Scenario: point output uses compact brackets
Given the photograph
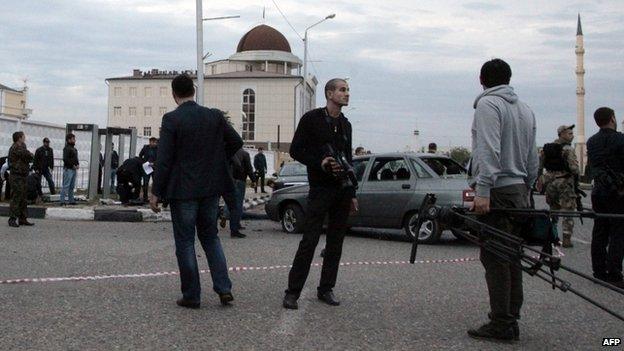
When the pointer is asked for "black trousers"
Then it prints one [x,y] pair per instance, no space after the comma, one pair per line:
[259,179]
[607,247]
[504,277]
[322,201]
[146,179]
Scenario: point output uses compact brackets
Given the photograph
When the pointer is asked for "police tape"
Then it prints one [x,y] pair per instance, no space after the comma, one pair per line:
[231,269]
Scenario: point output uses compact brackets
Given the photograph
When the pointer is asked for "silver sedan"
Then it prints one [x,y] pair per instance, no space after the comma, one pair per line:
[391,189]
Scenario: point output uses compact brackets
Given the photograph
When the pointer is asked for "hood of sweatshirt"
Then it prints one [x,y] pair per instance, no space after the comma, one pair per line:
[503,91]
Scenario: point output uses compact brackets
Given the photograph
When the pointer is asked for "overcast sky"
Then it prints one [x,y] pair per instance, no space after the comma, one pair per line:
[411,64]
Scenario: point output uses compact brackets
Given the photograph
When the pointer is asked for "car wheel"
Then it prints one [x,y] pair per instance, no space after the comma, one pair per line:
[292,219]
[428,233]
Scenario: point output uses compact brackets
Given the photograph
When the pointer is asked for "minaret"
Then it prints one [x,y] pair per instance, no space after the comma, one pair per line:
[580,97]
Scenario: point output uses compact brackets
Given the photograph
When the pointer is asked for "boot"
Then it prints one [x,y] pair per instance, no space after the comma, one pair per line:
[567,241]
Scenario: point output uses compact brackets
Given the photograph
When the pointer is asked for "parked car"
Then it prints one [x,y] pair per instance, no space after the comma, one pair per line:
[291,173]
[391,189]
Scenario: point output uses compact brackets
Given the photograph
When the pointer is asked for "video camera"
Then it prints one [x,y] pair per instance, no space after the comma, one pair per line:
[539,228]
[346,175]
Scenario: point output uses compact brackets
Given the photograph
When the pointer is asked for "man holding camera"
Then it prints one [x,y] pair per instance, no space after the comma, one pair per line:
[321,131]
[504,165]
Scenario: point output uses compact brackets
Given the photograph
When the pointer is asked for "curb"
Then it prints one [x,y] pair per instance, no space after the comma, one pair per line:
[111,215]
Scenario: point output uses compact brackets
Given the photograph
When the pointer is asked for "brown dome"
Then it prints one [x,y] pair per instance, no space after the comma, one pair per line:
[263,37]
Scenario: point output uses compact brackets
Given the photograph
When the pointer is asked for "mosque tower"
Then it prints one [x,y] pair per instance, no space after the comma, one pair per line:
[580,97]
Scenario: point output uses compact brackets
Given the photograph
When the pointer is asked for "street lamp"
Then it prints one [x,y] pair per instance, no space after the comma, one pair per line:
[200,48]
[305,60]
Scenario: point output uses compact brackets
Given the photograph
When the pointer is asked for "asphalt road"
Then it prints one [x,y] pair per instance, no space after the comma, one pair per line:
[393,306]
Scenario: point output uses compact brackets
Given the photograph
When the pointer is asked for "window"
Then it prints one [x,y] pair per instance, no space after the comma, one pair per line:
[249,114]
[133,91]
[389,169]
[444,166]
[147,131]
[162,110]
[420,170]
[359,166]
[163,91]
[117,111]
[293,169]
[148,91]
[117,91]
[132,111]
[147,111]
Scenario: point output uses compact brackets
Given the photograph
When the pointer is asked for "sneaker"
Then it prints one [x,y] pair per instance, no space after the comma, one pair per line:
[493,332]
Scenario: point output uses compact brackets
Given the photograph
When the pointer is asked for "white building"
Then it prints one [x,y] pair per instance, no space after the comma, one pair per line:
[260,87]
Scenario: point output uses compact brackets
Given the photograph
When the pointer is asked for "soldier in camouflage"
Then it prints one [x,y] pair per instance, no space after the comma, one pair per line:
[19,166]
[558,180]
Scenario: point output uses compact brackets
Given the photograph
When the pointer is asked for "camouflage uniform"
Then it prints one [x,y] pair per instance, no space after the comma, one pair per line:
[559,187]
[19,159]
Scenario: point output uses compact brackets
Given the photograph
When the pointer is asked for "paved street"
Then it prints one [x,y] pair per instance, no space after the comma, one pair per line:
[386,304]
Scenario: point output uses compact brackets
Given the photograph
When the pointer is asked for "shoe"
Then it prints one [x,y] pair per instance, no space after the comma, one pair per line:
[238,235]
[329,298]
[492,332]
[515,327]
[290,302]
[63,204]
[13,223]
[242,228]
[264,192]
[222,222]
[73,203]
[567,242]
[25,222]
[226,298]
[187,304]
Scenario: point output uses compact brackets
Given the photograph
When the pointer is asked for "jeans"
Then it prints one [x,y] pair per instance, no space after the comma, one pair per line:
[112,179]
[236,214]
[69,182]
[200,214]
[322,201]
[48,177]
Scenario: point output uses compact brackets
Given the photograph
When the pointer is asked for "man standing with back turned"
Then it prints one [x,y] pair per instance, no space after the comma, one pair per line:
[19,164]
[505,167]
[191,172]
[317,129]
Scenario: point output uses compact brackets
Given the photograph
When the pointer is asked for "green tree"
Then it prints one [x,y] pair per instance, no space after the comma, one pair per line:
[460,154]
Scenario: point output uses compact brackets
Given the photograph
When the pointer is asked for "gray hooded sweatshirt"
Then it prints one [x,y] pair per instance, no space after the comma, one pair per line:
[503,141]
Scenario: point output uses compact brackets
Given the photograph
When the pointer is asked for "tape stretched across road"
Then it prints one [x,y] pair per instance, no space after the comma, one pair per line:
[231,269]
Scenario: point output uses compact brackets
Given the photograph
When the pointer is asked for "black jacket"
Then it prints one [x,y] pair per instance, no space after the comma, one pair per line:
[114,160]
[44,158]
[70,156]
[309,145]
[131,171]
[148,154]
[241,166]
[605,150]
[196,144]
[260,163]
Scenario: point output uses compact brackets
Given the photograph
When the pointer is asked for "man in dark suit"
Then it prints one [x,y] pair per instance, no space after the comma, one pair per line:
[44,163]
[148,154]
[260,164]
[191,172]
[328,195]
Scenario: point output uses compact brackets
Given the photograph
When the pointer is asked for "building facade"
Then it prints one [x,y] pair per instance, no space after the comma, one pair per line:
[259,87]
[13,102]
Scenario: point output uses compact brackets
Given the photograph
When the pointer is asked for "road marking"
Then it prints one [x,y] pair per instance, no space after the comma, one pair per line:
[581,241]
[231,269]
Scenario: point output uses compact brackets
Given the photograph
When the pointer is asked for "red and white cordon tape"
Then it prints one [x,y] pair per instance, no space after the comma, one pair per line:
[231,269]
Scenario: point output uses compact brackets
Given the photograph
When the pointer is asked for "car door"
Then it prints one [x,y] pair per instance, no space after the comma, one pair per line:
[360,167]
[385,192]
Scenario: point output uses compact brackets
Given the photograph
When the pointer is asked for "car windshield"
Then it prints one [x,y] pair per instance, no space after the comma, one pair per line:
[444,166]
[293,169]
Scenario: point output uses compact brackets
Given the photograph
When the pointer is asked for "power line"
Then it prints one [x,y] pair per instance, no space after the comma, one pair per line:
[286,19]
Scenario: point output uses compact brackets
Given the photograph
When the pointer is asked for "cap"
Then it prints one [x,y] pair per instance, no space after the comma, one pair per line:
[564,127]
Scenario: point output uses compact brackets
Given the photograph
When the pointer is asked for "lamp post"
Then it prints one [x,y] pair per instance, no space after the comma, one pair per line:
[199,97]
[305,60]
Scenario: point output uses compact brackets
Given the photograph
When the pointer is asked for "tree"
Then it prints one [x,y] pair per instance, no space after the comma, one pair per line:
[460,154]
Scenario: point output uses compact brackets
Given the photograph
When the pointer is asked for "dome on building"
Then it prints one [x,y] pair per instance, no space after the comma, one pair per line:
[263,38]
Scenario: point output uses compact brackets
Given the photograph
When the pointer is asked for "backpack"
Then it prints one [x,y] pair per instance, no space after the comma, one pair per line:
[553,158]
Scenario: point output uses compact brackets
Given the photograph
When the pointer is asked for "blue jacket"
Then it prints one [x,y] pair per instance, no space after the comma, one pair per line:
[195,146]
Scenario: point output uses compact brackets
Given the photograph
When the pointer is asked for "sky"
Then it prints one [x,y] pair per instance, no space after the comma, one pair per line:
[412,65]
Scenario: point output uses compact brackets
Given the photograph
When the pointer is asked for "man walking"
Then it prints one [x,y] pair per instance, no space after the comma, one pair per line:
[562,170]
[318,130]
[44,163]
[148,154]
[505,167]
[70,166]
[19,165]
[260,165]
[191,173]
[241,169]
[605,153]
